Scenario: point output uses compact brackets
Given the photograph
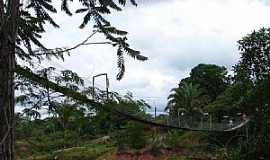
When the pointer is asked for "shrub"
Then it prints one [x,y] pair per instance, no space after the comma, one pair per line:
[132,136]
[156,145]
[174,139]
[136,136]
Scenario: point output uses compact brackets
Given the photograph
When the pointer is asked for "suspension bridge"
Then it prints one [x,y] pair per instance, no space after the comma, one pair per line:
[189,125]
[183,123]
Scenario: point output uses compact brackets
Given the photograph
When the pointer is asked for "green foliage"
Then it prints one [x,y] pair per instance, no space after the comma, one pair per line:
[41,89]
[82,153]
[249,93]
[106,121]
[50,134]
[136,136]
[41,137]
[36,97]
[229,154]
[193,140]
[258,144]
[254,68]
[35,14]
[156,145]
[132,136]
[259,97]
[235,155]
[255,55]
[174,139]
[231,101]
[155,149]
[212,79]
[121,139]
[129,104]
[162,118]
[205,84]
[190,140]
[187,97]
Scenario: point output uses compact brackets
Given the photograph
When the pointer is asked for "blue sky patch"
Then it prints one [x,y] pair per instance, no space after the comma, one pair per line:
[267,2]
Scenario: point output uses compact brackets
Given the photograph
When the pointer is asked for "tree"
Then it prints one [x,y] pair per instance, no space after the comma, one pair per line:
[21,26]
[231,101]
[34,97]
[249,92]
[255,56]
[211,79]
[259,102]
[107,121]
[187,96]
[253,70]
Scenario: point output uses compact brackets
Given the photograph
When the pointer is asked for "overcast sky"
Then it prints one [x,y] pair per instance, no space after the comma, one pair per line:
[176,35]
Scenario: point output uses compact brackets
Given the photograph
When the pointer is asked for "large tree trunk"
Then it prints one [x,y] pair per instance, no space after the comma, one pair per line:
[8,32]
[7,62]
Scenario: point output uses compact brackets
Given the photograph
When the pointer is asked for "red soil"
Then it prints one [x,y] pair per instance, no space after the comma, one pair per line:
[164,153]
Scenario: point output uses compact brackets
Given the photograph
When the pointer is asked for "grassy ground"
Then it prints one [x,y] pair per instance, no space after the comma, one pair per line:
[187,144]
[89,152]
[177,158]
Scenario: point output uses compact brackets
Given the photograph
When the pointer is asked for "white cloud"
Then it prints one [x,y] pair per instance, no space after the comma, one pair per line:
[175,34]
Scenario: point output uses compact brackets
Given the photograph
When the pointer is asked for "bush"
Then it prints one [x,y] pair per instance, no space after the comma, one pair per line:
[156,145]
[174,139]
[136,136]
[132,136]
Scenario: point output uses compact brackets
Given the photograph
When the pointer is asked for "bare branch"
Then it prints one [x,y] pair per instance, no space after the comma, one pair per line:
[80,44]
[84,42]
[90,43]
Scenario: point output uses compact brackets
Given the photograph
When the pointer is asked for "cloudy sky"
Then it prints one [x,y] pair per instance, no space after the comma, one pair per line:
[176,35]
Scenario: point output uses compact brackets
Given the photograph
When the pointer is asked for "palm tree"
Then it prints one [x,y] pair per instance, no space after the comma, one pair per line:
[187,97]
